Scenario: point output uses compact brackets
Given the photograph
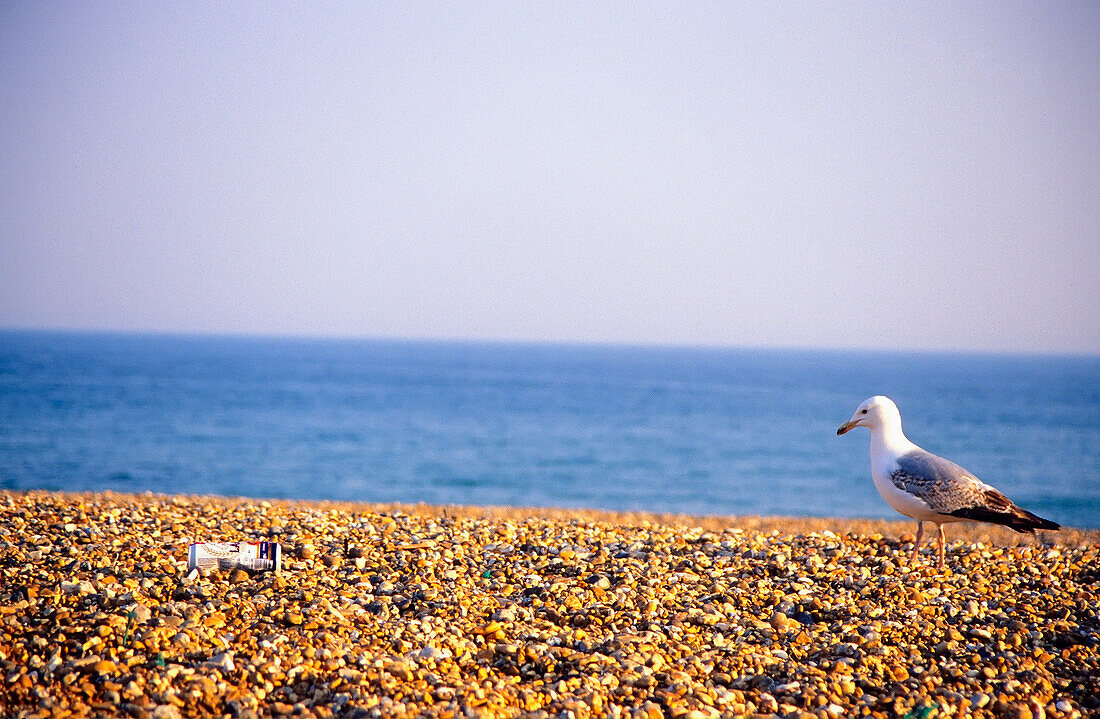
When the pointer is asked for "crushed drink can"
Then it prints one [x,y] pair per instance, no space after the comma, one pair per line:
[257,556]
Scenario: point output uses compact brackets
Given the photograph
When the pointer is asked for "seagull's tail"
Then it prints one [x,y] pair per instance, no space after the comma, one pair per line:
[1012,517]
[1024,521]
[1028,522]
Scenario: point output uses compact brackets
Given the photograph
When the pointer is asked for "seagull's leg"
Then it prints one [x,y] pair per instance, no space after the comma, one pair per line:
[943,541]
[916,544]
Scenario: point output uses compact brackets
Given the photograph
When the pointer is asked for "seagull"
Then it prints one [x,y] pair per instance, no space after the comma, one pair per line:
[929,488]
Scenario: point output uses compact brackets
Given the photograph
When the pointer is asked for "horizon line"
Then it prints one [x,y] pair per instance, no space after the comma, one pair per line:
[544,342]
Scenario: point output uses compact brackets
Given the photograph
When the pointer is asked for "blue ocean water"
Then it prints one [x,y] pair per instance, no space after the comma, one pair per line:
[701,431]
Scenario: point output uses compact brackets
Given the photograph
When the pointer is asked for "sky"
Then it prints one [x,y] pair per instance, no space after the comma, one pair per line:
[811,175]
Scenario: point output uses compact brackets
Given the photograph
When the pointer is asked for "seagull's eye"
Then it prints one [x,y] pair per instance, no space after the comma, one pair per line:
[863,412]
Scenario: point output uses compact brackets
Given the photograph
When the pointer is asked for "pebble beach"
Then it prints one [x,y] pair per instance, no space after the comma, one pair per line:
[404,611]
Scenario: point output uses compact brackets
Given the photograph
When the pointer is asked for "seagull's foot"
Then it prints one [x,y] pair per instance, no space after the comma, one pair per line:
[943,566]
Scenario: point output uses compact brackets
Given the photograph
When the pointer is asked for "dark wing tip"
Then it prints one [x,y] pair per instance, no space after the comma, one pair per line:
[1045,523]
[1035,520]
[1019,520]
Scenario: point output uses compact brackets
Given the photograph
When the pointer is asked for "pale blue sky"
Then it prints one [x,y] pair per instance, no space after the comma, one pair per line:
[885,175]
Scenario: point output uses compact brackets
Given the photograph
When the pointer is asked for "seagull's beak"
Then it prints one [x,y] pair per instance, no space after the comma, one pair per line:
[847,426]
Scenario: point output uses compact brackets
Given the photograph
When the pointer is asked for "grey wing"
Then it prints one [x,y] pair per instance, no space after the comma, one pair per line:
[943,485]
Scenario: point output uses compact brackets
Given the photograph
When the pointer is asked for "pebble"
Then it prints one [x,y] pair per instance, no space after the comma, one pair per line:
[139,613]
[1016,710]
[767,703]
[166,711]
[455,613]
[222,661]
[430,652]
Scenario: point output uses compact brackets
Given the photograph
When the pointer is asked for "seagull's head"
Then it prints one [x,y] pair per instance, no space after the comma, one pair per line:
[875,412]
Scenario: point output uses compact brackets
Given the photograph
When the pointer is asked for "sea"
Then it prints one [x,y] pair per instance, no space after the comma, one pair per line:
[696,430]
